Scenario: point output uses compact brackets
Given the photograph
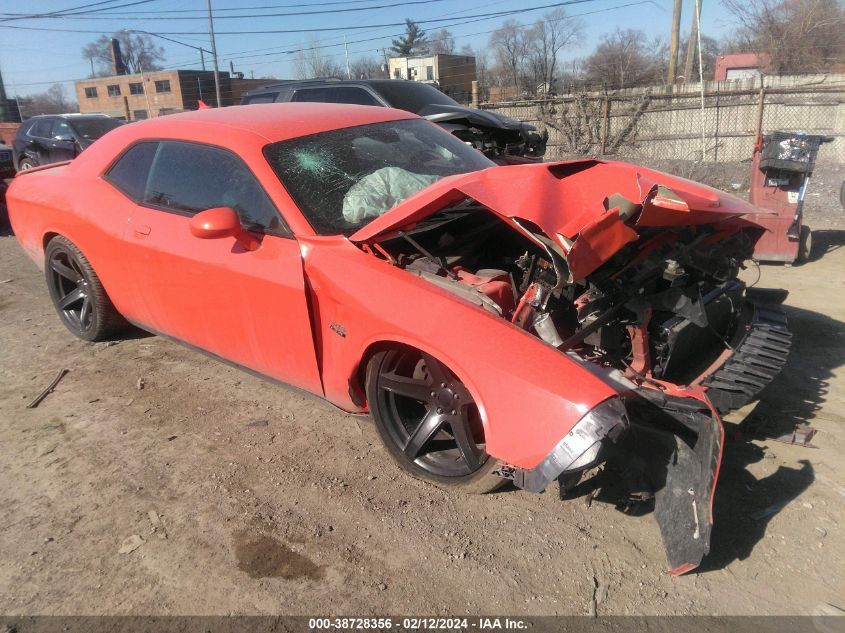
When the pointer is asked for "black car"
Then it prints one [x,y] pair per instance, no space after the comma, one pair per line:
[52,138]
[502,139]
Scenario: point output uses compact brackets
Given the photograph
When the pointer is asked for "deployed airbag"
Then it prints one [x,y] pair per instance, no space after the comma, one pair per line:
[380,191]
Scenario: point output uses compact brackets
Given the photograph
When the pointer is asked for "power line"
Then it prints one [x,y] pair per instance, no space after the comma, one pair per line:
[60,13]
[83,16]
[325,29]
[174,65]
[254,8]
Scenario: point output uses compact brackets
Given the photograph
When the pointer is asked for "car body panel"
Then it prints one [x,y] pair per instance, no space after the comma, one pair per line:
[352,292]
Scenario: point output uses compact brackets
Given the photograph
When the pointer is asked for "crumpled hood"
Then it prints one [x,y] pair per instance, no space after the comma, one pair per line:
[587,207]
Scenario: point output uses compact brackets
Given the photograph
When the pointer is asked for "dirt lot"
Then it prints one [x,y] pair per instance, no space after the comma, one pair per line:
[267,501]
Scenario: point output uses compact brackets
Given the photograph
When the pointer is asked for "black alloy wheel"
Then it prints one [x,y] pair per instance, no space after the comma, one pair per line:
[429,421]
[77,294]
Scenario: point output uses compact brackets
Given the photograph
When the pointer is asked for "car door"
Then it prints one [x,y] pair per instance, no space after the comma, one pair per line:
[245,305]
[62,145]
[38,141]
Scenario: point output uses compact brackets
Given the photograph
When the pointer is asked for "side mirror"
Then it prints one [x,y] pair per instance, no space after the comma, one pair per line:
[213,224]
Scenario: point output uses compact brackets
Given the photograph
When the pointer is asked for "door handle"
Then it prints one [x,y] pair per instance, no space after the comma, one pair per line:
[141,230]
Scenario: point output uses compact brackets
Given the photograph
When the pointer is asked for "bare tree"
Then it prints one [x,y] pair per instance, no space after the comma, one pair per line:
[412,42]
[798,35]
[546,39]
[711,48]
[441,41]
[510,49]
[626,58]
[54,100]
[309,62]
[367,68]
[139,52]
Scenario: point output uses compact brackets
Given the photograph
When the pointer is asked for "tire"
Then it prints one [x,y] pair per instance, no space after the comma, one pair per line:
[805,245]
[27,163]
[429,422]
[77,293]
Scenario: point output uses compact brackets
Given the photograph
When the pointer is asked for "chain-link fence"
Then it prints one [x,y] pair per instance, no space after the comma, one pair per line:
[676,122]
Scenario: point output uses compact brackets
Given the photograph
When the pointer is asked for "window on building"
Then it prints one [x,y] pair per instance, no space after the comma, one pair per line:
[114,90]
[139,115]
[136,89]
[163,85]
[429,73]
[129,173]
[91,93]
[163,111]
[397,73]
[189,178]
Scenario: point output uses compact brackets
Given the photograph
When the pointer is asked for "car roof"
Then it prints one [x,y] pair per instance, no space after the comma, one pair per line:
[272,121]
[71,115]
[329,81]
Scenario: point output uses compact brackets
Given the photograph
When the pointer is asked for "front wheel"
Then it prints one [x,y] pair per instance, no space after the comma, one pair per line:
[77,294]
[26,163]
[429,421]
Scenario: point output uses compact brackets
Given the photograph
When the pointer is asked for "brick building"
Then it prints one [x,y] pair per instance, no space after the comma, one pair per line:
[738,66]
[155,93]
[453,74]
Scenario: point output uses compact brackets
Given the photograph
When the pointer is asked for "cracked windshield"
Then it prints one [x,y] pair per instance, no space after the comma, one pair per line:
[343,179]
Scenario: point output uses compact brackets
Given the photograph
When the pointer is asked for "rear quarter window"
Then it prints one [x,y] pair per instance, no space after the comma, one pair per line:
[130,172]
[268,97]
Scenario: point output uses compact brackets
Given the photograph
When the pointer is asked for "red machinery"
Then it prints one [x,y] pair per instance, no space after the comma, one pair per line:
[780,174]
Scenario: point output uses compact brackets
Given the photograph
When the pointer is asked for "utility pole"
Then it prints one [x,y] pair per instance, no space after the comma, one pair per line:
[692,42]
[346,49]
[674,43]
[214,56]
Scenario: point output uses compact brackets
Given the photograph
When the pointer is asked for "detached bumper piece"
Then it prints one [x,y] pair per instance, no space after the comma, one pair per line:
[761,347]
[677,442]
[583,447]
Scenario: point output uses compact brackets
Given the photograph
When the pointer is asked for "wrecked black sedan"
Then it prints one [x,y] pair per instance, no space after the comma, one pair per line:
[503,140]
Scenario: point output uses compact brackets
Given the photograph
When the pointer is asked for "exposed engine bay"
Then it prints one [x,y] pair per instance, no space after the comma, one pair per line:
[664,307]
[665,314]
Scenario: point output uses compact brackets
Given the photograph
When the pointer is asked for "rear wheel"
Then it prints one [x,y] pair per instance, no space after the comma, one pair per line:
[429,421]
[26,163]
[77,294]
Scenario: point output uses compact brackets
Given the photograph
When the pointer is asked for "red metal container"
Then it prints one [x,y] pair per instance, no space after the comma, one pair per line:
[780,175]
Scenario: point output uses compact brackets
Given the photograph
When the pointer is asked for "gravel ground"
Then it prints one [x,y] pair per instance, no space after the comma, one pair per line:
[209,491]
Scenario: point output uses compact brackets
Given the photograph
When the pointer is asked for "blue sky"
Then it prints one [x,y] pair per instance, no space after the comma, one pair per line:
[33,60]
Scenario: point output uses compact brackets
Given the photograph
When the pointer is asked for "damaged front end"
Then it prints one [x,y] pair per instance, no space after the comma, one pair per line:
[638,285]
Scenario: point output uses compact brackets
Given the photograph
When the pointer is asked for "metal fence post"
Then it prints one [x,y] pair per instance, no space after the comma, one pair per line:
[761,102]
[605,127]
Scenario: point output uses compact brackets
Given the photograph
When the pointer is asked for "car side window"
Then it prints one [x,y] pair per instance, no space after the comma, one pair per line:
[41,128]
[190,177]
[336,94]
[130,172]
[61,130]
[267,97]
